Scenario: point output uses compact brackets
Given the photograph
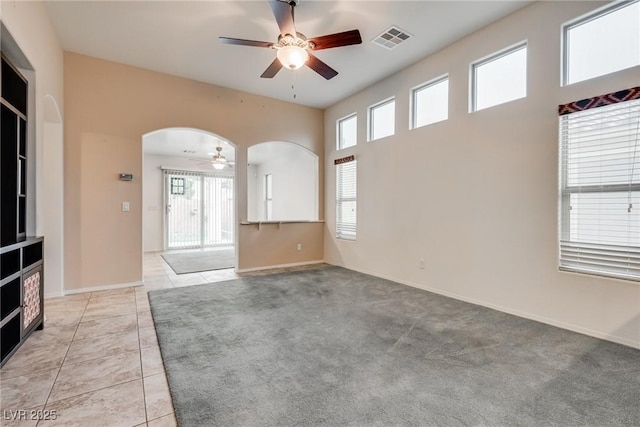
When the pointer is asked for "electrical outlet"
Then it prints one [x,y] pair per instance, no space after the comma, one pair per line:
[421,263]
[299,246]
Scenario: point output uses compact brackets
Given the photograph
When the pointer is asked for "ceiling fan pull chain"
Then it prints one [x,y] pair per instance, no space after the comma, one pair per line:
[293,85]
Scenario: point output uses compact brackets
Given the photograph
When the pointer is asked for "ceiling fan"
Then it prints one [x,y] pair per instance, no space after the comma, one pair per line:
[293,49]
[218,161]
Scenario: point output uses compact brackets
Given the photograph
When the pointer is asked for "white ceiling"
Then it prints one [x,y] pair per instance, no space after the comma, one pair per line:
[187,143]
[180,38]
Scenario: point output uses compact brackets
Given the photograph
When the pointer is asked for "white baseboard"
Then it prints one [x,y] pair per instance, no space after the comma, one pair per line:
[272,267]
[53,295]
[102,288]
[523,314]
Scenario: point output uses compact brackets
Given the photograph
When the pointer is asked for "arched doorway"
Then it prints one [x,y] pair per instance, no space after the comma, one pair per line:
[190,203]
[282,182]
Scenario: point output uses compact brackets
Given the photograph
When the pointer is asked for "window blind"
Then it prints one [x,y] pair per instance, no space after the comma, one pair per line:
[600,186]
[199,209]
[346,198]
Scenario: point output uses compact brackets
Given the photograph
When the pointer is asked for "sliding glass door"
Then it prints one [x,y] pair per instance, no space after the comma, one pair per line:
[199,210]
[218,208]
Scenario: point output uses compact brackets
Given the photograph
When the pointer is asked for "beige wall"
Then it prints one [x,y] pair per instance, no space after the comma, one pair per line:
[109,107]
[476,196]
[276,244]
[30,26]
[33,32]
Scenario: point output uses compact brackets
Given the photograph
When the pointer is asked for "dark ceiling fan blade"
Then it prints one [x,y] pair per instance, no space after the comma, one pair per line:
[243,42]
[272,69]
[283,13]
[336,40]
[321,68]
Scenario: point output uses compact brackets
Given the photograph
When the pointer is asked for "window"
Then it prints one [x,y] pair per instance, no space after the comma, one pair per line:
[346,199]
[268,196]
[500,78]
[601,43]
[430,103]
[347,131]
[382,119]
[600,187]
[177,186]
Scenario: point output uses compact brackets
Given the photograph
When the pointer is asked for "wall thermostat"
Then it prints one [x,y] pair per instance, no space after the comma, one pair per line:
[126,177]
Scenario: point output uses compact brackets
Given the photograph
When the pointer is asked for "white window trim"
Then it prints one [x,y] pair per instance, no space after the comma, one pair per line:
[492,57]
[339,235]
[338,133]
[370,116]
[412,98]
[583,19]
[565,263]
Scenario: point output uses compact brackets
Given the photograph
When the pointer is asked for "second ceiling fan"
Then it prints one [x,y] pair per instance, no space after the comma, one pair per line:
[293,48]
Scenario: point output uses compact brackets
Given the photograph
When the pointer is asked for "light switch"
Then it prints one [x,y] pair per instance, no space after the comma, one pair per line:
[125,206]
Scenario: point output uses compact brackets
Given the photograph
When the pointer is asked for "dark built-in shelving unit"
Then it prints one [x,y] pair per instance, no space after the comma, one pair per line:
[21,294]
[21,257]
[13,155]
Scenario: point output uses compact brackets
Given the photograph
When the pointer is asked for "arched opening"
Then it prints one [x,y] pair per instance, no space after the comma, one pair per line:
[189,198]
[50,196]
[282,182]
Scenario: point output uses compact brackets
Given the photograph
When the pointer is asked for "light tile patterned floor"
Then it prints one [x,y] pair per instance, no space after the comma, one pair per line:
[97,361]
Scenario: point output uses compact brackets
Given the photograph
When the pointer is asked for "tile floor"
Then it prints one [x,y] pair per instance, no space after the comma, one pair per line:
[97,361]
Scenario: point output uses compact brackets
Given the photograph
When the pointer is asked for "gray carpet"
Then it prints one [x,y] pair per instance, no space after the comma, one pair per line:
[339,348]
[193,262]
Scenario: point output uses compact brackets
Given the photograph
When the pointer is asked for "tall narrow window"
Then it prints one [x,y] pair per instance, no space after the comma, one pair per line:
[430,103]
[500,78]
[346,194]
[347,132]
[602,43]
[600,185]
[382,119]
[268,196]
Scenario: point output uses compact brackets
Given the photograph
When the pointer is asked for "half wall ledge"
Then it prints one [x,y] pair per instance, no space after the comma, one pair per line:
[277,223]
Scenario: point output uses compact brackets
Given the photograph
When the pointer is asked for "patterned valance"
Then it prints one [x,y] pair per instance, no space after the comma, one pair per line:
[347,159]
[599,101]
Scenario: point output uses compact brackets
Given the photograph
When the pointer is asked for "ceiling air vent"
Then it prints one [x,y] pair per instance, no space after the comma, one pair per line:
[391,37]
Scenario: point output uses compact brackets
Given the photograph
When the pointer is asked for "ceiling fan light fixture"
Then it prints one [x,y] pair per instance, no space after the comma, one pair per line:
[293,48]
[292,57]
[219,161]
